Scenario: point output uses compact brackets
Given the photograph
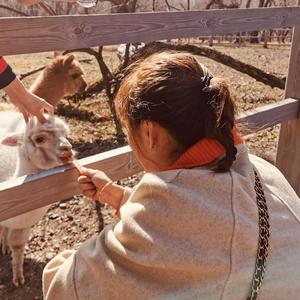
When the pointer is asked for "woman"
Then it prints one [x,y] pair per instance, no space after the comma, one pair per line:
[28,103]
[191,228]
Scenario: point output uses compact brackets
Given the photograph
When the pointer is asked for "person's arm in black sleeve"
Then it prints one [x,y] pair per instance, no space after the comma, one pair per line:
[6,73]
[28,103]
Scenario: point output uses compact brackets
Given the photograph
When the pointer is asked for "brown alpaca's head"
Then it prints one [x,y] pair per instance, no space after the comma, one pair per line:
[69,72]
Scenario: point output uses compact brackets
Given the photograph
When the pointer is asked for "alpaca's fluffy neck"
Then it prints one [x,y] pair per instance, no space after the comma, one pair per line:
[49,87]
[24,165]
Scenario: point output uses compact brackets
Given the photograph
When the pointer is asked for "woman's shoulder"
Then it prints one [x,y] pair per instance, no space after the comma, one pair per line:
[276,185]
[270,174]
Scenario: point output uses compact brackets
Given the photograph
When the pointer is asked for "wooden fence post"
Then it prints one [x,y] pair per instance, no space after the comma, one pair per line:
[288,151]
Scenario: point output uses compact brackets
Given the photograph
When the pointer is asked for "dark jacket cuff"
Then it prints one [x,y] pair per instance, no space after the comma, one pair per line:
[7,76]
[6,73]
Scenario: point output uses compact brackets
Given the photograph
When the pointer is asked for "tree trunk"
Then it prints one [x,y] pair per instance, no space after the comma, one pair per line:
[227,60]
[254,37]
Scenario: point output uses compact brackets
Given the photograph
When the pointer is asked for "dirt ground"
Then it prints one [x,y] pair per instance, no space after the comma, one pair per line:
[70,222]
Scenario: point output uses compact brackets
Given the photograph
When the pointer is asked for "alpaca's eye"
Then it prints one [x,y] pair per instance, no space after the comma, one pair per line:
[40,139]
[75,76]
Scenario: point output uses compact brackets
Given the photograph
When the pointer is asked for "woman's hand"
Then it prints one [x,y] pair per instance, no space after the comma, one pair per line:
[28,103]
[97,186]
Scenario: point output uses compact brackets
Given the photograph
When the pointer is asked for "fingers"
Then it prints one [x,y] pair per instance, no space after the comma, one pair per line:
[89,172]
[48,108]
[41,118]
[37,106]
[98,178]
[44,107]
[83,179]
[88,188]
[25,115]
[89,191]
[92,194]
[91,182]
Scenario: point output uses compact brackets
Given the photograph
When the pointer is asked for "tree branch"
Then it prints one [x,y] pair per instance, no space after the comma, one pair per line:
[47,9]
[227,60]
[14,10]
[169,6]
[153,5]
[85,50]
[126,56]
[24,75]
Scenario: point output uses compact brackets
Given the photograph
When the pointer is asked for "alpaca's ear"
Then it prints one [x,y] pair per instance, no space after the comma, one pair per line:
[12,139]
[57,53]
[69,59]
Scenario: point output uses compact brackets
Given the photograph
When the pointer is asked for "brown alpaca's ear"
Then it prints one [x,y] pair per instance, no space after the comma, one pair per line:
[57,53]
[69,59]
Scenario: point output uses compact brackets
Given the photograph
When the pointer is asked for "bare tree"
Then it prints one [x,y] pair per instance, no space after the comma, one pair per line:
[170,7]
[188,5]
[220,4]
[153,5]
[16,11]
[122,6]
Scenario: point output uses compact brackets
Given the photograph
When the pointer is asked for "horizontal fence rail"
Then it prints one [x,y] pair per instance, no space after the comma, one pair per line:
[29,192]
[270,115]
[26,193]
[37,34]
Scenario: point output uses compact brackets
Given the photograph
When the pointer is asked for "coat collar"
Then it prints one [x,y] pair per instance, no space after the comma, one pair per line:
[204,152]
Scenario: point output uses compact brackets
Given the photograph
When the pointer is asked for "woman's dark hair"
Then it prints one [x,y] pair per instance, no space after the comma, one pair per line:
[177,92]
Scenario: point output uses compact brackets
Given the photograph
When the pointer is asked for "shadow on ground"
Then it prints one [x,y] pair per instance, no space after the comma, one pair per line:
[31,290]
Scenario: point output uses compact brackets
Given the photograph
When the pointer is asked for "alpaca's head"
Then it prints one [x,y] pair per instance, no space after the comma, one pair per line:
[44,145]
[69,72]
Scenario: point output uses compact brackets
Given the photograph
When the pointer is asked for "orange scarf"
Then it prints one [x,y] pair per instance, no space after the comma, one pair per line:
[202,153]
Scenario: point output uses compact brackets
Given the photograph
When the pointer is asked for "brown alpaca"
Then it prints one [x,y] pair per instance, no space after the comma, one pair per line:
[63,77]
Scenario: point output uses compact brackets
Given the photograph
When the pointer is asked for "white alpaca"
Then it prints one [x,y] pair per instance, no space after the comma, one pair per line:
[28,149]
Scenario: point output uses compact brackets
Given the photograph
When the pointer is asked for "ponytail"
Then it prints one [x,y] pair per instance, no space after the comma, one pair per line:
[221,121]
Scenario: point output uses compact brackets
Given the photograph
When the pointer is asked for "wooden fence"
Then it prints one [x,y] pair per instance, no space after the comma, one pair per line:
[37,34]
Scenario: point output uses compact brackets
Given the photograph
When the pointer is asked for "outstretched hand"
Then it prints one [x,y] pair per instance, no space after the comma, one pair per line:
[33,105]
[28,103]
[97,186]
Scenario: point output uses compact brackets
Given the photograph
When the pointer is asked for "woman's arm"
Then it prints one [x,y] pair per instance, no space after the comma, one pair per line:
[28,103]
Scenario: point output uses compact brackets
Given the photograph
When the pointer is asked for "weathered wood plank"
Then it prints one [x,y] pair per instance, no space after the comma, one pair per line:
[38,34]
[288,150]
[29,192]
[270,115]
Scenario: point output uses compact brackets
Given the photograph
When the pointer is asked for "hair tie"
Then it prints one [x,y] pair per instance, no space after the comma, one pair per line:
[206,80]
[232,153]
[214,101]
